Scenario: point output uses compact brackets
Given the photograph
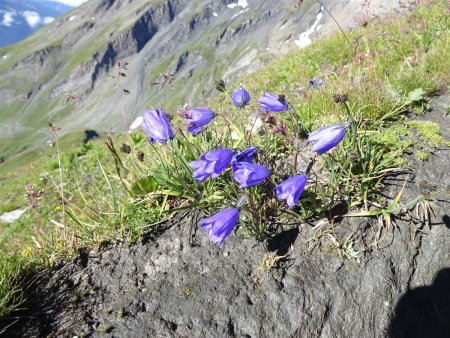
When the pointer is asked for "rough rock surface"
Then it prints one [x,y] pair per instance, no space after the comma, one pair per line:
[177,284]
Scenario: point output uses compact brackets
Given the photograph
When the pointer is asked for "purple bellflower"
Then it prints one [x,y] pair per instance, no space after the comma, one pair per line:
[327,138]
[197,118]
[221,224]
[248,174]
[272,102]
[211,163]
[240,97]
[157,126]
[291,189]
[314,83]
[245,155]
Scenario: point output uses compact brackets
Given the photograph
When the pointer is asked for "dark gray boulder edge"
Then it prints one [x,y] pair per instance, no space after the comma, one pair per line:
[178,284]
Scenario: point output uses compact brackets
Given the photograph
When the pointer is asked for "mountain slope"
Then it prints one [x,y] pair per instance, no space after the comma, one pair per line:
[196,41]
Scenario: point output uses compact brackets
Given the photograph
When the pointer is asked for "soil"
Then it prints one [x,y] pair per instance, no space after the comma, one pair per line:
[178,284]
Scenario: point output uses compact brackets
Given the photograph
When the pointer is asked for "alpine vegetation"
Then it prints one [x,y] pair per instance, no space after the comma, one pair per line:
[157,126]
[327,138]
[272,103]
[240,97]
[227,162]
[221,224]
[197,119]
[291,189]
[249,174]
[211,164]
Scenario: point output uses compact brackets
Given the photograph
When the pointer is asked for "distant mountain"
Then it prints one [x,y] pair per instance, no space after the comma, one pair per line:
[20,18]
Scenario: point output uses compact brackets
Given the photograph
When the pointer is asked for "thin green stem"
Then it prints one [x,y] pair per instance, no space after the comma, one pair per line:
[336,22]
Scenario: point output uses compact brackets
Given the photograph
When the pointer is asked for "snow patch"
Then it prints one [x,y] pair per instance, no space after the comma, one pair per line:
[215,14]
[240,3]
[12,216]
[136,123]
[72,17]
[304,39]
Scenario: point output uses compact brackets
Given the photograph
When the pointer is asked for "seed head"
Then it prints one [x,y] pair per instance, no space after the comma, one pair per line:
[125,148]
[140,156]
[340,98]
[220,85]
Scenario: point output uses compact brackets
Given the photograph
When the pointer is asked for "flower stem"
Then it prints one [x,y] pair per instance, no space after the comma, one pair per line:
[335,21]
[296,136]
[352,120]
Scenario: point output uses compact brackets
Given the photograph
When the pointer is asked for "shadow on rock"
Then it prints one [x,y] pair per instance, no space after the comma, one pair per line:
[446,220]
[283,241]
[425,311]
[90,135]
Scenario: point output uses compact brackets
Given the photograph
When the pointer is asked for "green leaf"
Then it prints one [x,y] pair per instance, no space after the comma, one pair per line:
[136,138]
[144,186]
[416,95]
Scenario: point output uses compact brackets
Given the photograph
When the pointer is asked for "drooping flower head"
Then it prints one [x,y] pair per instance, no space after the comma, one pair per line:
[245,155]
[221,224]
[197,118]
[327,138]
[248,174]
[240,97]
[314,83]
[291,189]
[157,126]
[272,102]
[211,163]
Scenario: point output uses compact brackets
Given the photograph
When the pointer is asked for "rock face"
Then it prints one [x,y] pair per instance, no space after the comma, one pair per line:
[197,41]
[177,284]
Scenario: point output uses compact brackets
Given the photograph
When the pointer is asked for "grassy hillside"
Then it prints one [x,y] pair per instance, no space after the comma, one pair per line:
[77,54]
[373,75]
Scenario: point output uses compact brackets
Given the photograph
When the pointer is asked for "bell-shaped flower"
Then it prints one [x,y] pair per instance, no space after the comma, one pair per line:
[211,163]
[245,155]
[248,174]
[272,102]
[327,138]
[221,224]
[240,97]
[314,83]
[291,189]
[197,118]
[157,126]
